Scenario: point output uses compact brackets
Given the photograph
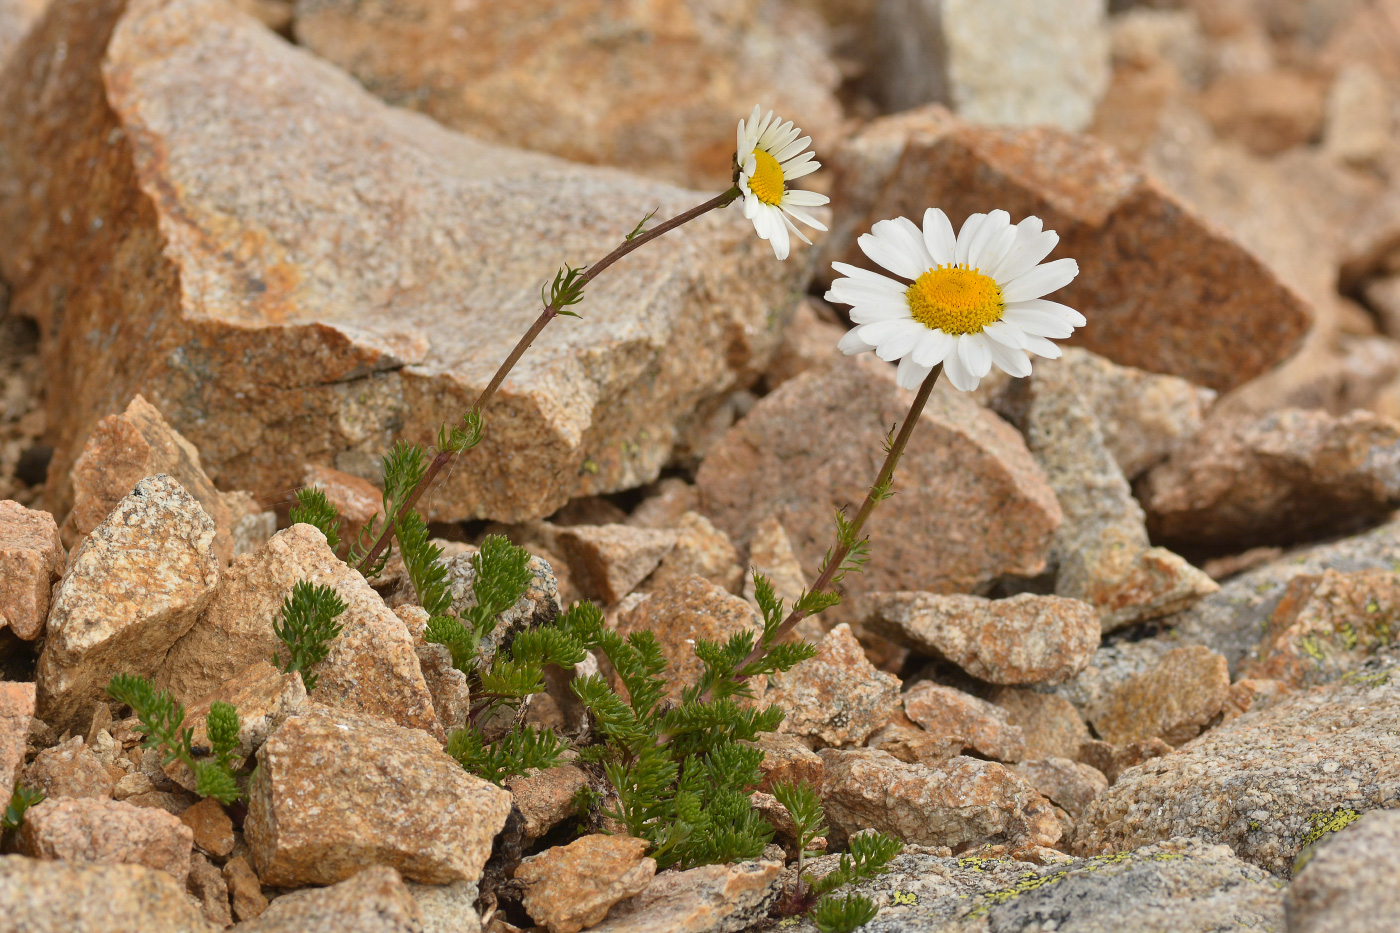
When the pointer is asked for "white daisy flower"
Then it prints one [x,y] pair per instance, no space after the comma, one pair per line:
[769,156]
[967,301]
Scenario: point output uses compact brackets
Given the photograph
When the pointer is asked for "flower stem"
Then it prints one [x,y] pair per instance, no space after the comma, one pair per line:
[551,311]
[872,499]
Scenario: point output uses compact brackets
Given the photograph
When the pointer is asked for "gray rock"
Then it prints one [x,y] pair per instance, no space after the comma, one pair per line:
[708,899]
[1351,882]
[538,606]
[1022,63]
[447,908]
[1267,783]
[375,900]
[68,897]
[1102,551]
[133,588]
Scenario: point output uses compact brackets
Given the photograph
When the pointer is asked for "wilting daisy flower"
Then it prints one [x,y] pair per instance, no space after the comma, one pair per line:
[967,301]
[770,156]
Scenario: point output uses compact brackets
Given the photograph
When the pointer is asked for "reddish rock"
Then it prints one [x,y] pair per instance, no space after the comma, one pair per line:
[212,828]
[546,798]
[702,550]
[1165,291]
[31,561]
[961,804]
[1022,640]
[1065,783]
[1280,478]
[682,611]
[1051,725]
[245,891]
[356,500]
[1267,111]
[985,728]
[122,450]
[786,760]
[69,770]
[569,888]
[836,698]
[1172,701]
[83,829]
[711,897]
[582,82]
[376,899]
[1250,694]
[666,502]
[917,746]
[809,341]
[273,326]
[16,712]
[970,503]
[207,884]
[606,562]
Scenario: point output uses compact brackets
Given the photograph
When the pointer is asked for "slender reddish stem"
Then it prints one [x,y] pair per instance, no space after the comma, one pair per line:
[550,312]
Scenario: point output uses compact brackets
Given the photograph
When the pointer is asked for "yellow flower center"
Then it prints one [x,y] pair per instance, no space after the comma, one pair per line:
[955,300]
[766,183]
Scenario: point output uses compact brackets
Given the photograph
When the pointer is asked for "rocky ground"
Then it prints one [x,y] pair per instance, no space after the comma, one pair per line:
[1125,653]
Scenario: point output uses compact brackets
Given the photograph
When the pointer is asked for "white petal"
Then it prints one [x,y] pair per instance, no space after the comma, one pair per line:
[901,230]
[975,354]
[1010,360]
[868,277]
[1031,246]
[1042,280]
[799,198]
[900,342]
[1006,334]
[752,205]
[880,331]
[792,149]
[966,236]
[779,235]
[1063,312]
[793,229]
[890,254]
[995,250]
[1038,323]
[987,233]
[805,168]
[933,348]
[1042,347]
[805,217]
[958,374]
[869,313]
[857,292]
[851,343]
[910,375]
[939,238]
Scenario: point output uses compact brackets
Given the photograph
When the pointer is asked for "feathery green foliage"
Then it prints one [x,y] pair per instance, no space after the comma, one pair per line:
[307,625]
[463,437]
[402,468]
[162,719]
[843,914]
[313,508]
[867,854]
[20,801]
[567,288]
[641,226]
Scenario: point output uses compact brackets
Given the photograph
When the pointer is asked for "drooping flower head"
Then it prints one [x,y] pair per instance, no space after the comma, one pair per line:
[969,301]
[770,157]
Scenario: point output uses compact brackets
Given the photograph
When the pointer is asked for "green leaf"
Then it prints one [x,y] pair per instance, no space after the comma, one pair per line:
[20,801]
[567,289]
[843,914]
[307,626]
[313,508]
[514,754]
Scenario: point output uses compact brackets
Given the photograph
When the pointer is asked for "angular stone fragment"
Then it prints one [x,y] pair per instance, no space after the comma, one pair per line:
[787,760]
[1281,478]
[972,504]
[53,897]
[1051,725]
[31,561]
[836,698]
[917,746]
[207,884]
[1102,551]
[448,686]
[809,341]
[708,899]
[371,667]
[375,900]
[69,770]
[1325,625]
[356,500]
[134,587]
[1349,883]
[1267,111]
[606,562]
[682,611]
[538,605]
[447,908]
[212,828]
[1173,701]
[985,728]
[244,889]
[315,306]
[397,799]
[83,829]
[668,500]
[546,798]
[1022,640]
[121,451]
[703,550]
[569,888]
[1065,783]
[1113,760]
[16,712]
[575,83]
[1152,274]
[1267,784]
[961,804]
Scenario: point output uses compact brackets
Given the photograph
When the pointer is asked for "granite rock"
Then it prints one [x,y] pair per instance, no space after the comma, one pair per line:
[42,897]
[836,698]
[708,899]
[985,728]
[1358,121]
[962,803]
[1286,477]
[69,769]
[1051,725]
[972,505]
[31,561]
[665,502]
[16,712]
[917,746]
[569,888]
[356,500]
[546,798]
[335,792]
[375,900]
[809,341]
[787,760]
[606,562]
[448,686]
[122,450]
[244,889]
[212,828]
[290,270]
[538,605]
[206,883]
[1026,639]
[1167,291]
[16,18]
[1349,884]
[447,908]
[1172,701]
[1266,111]
[371,667]
[133,588]
[1266,784]
[1072,785]
[701,550]
[83,829]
